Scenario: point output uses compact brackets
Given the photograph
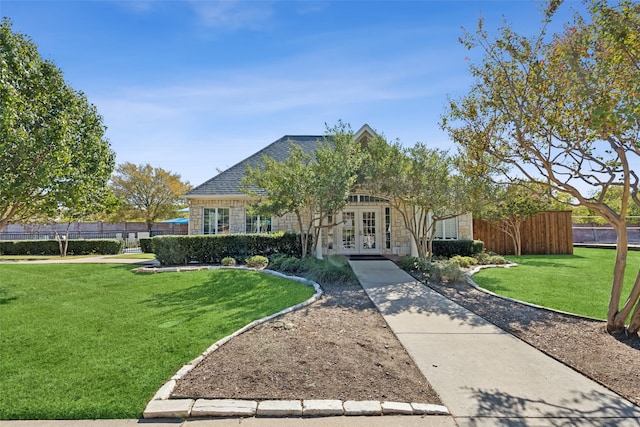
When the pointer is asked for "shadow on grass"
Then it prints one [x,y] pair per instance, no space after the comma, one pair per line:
[226,291]
[5,298]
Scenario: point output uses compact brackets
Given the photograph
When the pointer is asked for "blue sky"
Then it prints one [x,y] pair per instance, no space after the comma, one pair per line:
[196,86]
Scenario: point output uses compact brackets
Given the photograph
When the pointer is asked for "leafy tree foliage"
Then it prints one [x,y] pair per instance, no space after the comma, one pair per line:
[422,184]
[311,186]
[146,192]
[513,204]
[562,112]
[54,158]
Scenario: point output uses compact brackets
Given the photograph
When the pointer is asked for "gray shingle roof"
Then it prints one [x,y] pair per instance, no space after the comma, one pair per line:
[228,182]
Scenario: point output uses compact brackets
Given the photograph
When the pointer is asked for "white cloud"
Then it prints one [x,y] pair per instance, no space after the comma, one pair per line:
[233,14]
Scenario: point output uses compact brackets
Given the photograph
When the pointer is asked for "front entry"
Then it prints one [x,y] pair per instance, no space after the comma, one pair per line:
[359,231]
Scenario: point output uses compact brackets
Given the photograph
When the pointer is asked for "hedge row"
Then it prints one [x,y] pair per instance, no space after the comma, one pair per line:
[451,248]
[50,247]
[146,245]
[210,249]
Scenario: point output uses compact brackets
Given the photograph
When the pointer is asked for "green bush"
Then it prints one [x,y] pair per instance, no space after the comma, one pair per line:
[451,248]
[50,247]
[146,245]
[464,261]
[228,261]
[409,263]
[497,260]
[487,258]
[334,270]
[257,261]
[211,249]
[446,271]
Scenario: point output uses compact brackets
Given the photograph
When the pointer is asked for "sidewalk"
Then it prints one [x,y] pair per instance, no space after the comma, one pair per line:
[485,376]
[95,259]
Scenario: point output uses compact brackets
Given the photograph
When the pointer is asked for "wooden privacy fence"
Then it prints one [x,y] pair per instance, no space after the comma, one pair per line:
[545,234]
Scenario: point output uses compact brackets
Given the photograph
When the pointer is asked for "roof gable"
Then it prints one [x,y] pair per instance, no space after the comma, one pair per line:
[228,182]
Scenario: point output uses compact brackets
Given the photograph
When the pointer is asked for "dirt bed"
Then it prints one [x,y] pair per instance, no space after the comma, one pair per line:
[337,348]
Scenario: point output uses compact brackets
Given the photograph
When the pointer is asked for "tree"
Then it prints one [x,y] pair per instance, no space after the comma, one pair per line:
[512,206]
[146,192]
[54,158]
[310,186]
[421,185]
[563,113]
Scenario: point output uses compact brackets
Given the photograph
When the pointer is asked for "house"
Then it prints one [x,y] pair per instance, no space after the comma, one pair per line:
[367,225]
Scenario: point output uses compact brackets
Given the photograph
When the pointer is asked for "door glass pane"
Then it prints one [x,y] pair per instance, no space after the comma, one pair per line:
[348,230]
[223,221]
[368,230]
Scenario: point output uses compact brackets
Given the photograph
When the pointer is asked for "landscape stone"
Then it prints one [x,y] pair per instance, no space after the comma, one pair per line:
[224,408]
[362,407]
[165,391]
[172,408]
[322,408]
[279,408]
[429,409]
[396,408]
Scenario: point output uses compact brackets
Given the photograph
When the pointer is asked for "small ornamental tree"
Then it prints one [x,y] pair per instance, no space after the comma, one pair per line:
[310,186]
[422,186]
[513,205]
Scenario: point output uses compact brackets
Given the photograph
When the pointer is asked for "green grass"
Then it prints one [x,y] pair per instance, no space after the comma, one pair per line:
[578,283]
[80,341]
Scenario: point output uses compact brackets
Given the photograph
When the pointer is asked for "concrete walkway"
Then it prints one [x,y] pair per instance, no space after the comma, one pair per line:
[485,376]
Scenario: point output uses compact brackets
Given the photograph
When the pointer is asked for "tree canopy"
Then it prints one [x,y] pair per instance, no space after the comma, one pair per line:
[54,157]
[563,112]
[422,184]
[313,186]
[147,192]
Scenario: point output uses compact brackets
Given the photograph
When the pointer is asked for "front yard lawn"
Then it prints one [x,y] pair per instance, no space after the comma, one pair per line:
[578,283]
[85,341]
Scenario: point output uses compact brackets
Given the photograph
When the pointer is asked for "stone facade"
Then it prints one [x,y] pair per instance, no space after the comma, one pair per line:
[400,238]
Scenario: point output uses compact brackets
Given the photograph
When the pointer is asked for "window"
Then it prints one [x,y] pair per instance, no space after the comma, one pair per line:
[216,221]
[447,229]
[257,224]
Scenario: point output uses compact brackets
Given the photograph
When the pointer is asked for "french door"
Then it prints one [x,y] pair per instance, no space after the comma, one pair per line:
[359,231]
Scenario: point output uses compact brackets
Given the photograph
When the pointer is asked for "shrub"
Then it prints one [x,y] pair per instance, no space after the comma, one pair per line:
[446,271]
[210,249]
[171,250]
[334,270]
[413,264]
[497,259]
[464,261]
[75,247]
[257,261]
[228,261]
[451,248]
[146,245]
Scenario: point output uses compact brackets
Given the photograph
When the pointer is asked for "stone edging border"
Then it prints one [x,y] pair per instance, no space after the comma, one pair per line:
[161,406]
[191,408]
